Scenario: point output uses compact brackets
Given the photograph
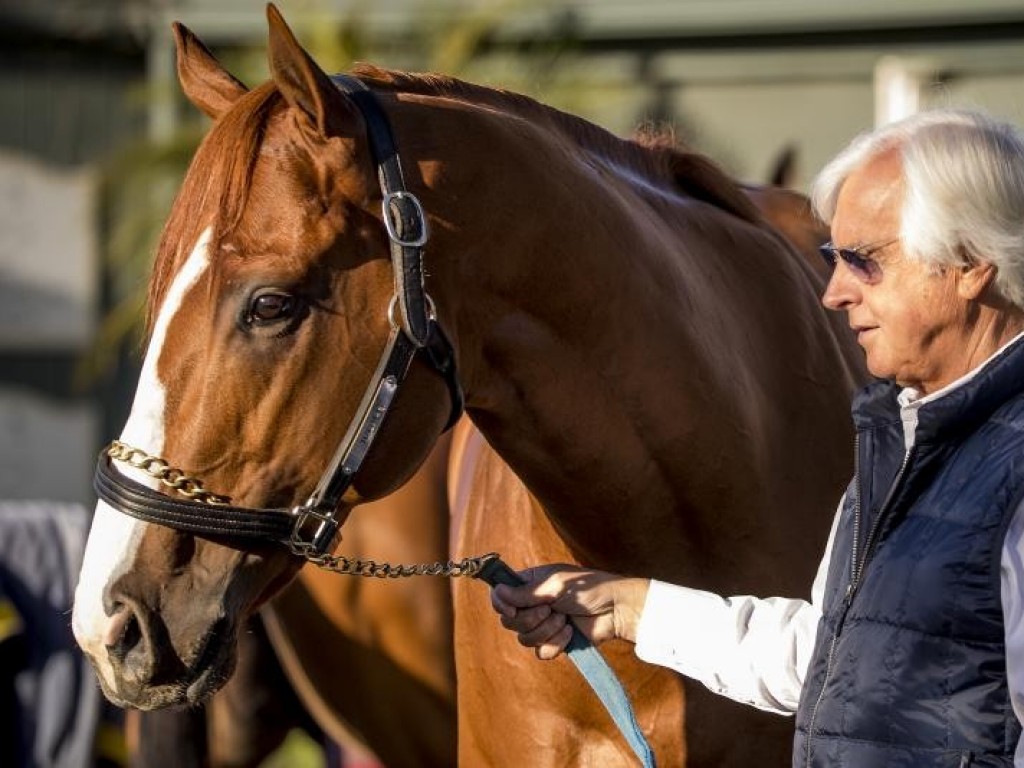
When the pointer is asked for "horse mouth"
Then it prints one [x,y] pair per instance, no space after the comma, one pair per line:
[214,664]
[189,685]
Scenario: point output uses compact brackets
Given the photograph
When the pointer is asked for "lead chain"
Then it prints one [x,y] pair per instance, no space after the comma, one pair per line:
[347,566]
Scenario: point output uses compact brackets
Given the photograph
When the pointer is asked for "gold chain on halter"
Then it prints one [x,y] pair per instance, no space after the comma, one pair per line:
[192,488]
[154,466]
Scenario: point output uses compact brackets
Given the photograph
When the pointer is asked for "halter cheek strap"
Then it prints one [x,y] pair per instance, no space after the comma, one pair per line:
[417,329]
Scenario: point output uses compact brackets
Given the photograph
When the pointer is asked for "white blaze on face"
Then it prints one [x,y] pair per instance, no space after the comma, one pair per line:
[114,536]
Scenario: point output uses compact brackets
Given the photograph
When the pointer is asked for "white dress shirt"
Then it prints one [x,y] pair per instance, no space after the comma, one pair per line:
[757,650]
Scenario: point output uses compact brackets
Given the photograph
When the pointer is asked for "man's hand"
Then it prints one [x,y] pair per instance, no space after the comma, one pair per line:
[602,605]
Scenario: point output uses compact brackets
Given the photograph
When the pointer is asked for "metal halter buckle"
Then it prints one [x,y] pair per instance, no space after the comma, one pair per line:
[320,539]
[403,198]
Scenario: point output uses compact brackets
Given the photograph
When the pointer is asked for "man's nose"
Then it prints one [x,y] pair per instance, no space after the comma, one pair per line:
[843,289]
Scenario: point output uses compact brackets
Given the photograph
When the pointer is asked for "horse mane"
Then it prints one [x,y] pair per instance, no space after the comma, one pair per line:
[220,175]
[656,155]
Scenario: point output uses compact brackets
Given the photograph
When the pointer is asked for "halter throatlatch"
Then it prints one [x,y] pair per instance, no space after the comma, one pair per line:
[311,529]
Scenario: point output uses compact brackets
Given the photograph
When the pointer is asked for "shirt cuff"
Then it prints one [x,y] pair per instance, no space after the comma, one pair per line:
[707,638]
[665,634]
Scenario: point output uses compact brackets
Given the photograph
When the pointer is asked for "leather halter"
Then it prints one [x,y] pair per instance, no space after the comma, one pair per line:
[311,528]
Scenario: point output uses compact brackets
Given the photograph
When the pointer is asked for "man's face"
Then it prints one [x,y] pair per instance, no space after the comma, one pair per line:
[911,321]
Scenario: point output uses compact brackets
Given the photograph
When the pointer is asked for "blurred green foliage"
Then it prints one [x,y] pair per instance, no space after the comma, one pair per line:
[297,751]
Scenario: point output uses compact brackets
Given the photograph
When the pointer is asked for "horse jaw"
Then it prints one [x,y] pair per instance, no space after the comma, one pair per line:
[114,538]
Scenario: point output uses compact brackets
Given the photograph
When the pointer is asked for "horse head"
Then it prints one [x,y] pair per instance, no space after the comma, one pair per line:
[272,298]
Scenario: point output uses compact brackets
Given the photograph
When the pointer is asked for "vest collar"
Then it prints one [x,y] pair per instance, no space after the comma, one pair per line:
[955,409]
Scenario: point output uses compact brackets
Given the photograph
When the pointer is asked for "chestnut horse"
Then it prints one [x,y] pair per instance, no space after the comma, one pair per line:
[633,341]
[385,635]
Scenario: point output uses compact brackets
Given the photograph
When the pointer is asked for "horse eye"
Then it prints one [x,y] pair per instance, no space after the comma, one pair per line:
[265,308]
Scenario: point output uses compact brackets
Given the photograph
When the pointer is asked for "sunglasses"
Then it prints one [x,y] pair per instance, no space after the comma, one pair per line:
[860,260]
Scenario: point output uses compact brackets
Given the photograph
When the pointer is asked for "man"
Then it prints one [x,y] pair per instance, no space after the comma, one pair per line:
[911,650]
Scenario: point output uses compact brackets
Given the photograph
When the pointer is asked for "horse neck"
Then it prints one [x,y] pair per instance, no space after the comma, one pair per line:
[575,364]
[602,340]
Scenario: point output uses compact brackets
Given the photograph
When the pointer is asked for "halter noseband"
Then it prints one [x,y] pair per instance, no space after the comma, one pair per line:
[311,528]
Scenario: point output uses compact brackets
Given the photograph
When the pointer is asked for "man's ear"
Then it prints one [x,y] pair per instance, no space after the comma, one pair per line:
[205,82]
[975,279]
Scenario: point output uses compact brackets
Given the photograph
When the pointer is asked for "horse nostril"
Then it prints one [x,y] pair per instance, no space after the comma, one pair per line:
[123,633]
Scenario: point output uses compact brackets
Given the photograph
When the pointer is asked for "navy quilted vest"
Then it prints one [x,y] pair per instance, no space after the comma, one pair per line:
[909,665]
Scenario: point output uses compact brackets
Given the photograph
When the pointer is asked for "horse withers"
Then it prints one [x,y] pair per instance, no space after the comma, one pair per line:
[645,358]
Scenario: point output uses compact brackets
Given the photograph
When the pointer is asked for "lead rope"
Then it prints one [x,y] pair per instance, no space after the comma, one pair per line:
[591,664]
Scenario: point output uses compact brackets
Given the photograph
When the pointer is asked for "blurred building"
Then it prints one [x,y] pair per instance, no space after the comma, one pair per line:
[65,80]
[740,79]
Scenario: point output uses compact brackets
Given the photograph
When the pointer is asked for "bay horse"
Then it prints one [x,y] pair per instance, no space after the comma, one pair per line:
[655,386]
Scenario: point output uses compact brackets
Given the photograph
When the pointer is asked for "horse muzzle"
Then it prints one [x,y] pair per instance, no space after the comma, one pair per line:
[139,665]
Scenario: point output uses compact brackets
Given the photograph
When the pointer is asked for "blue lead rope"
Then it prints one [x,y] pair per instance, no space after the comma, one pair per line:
[592,666]
[609,690]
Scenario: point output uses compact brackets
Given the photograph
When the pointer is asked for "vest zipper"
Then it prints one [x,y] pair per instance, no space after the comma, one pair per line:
[856,571]
[821,695]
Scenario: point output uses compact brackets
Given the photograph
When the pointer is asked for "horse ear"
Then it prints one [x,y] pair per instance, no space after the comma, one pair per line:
[205,82]
[783,172]
[302,83]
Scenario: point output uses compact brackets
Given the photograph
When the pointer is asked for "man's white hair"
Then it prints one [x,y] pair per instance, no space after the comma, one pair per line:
[964,199]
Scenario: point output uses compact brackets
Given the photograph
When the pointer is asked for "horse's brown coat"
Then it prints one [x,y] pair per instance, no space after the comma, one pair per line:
[635,343]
